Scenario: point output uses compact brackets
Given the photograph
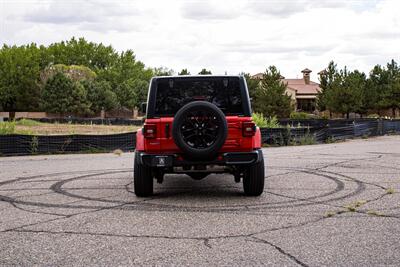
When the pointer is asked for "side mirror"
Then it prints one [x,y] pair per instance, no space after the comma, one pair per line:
[144,107]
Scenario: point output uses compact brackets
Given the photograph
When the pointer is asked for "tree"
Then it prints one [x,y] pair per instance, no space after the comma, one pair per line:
[19,75]
[100,95]
[81,52]
[184,72]
[125,68]
[391,97]
[132,92]
[74,72]
[271,95]
[205,72]
[252,86]
[328,80]
[163,71]
[383,87]
[62,95]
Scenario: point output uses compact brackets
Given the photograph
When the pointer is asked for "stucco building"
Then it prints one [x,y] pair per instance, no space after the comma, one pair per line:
[303,91]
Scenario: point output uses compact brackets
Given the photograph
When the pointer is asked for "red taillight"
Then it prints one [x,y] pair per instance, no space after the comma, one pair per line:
[248,128]
[149,131]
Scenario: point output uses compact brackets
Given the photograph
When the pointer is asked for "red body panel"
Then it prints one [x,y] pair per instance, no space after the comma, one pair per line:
[139,140]
[164,143]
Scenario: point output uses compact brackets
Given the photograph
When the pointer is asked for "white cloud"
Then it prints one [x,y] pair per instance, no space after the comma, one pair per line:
[223,36]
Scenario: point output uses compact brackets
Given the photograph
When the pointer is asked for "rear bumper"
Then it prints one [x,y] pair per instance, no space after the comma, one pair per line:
[173,160]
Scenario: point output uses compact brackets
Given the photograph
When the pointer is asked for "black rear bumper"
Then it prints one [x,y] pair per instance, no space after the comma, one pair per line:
[173,160]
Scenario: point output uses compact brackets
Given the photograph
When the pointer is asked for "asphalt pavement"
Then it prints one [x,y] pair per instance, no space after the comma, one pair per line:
[324,205]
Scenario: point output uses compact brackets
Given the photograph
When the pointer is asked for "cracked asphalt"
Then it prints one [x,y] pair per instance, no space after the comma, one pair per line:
[323,205]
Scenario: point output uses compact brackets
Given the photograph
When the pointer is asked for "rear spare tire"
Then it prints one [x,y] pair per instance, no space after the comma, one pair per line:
[199,130]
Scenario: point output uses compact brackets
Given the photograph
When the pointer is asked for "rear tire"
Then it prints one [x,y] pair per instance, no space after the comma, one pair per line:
[142,178]
[253,178]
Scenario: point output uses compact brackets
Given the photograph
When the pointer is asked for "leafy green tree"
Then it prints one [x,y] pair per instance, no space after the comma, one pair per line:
[271,96]
[74,72]
[100,95]
[184,72]
[125,68]
[81,52]
[205,72]
[163,71]
[132,92]
[62,95]
[19,76]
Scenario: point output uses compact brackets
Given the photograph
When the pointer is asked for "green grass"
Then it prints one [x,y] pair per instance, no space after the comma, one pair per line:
[7,128]
[299,115]
[27,122]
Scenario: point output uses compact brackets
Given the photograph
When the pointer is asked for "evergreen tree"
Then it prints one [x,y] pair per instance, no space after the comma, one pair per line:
[184,72]
[205,72]
[271,95]
[62,95]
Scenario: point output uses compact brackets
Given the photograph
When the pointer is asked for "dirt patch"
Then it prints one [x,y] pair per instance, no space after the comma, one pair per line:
[62,129]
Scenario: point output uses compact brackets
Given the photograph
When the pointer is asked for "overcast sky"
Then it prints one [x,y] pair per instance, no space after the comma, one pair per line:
[232,35]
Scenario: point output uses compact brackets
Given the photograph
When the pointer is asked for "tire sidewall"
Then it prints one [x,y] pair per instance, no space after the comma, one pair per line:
[195,153]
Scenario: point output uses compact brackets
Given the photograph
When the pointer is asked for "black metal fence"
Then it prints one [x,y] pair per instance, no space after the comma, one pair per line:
[325,131]
[295,132]
[53,144]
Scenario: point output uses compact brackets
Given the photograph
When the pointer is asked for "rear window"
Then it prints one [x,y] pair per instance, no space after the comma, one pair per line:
[174,93]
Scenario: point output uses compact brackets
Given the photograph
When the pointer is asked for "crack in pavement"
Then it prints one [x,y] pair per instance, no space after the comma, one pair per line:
[281,250]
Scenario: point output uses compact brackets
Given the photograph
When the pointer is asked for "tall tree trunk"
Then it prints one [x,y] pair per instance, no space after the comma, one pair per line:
[11,115]
[347,115]
[393,112]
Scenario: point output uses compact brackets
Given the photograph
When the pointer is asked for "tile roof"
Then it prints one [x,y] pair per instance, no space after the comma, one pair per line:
[298,85]
[301,87]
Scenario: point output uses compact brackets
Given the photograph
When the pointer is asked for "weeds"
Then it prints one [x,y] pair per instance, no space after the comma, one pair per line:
[374,213]
[27,122]
[390,191]
[118,152]
[350,208]
[307,139]
[263,122]
[34,145]
[330,140]
[7,127]
[330,214]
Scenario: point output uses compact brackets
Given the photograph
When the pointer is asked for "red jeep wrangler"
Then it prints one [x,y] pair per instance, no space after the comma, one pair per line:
[197,125]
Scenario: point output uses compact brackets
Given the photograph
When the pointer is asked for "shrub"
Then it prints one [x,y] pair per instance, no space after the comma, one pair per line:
[307,139]
[259,120]
[27,122]
[7,127]
[373,116]
[263,122]
[62,95]
[299,115]
[272,122]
